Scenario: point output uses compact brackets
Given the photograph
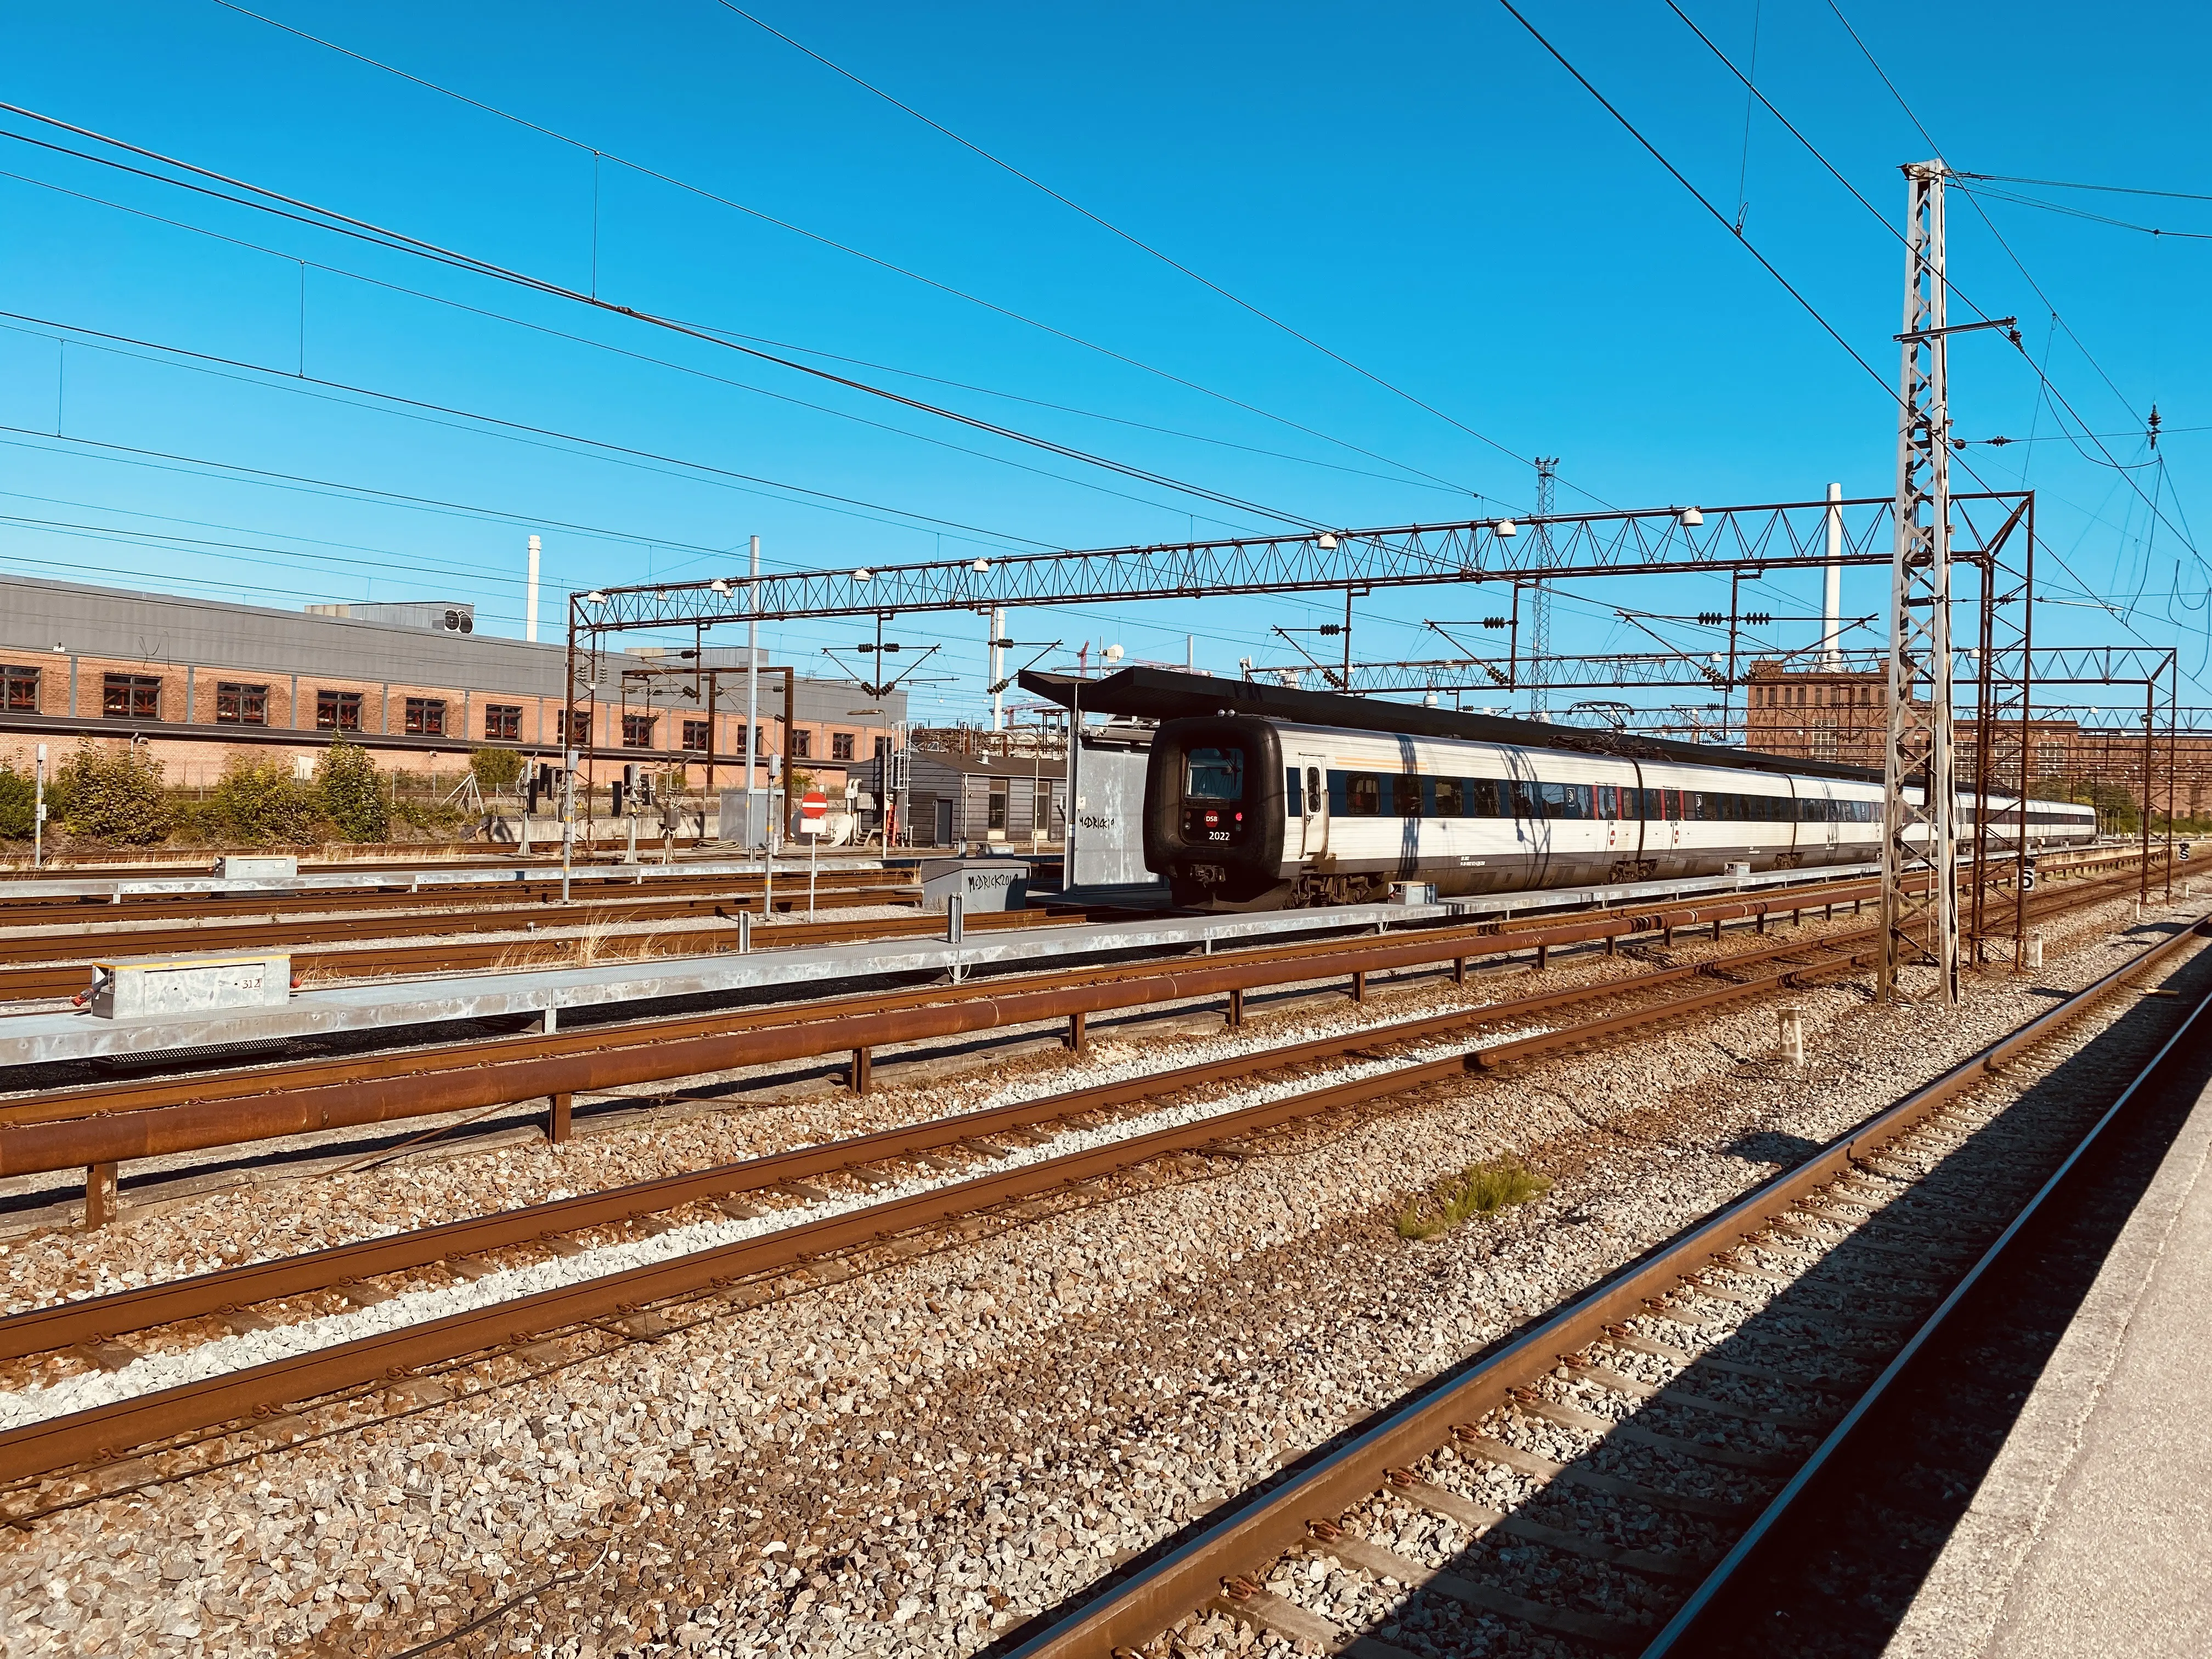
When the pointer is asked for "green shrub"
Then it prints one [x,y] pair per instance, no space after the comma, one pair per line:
[496,769]
[352,792]
[113,795]
[428,815]
[18,795]
[259,801]
[1478,1189]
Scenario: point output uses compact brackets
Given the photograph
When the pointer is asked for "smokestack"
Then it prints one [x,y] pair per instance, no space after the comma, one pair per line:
[1832,595]
[529,601]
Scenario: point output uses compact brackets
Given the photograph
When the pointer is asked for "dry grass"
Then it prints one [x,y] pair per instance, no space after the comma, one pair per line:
[1478,1189]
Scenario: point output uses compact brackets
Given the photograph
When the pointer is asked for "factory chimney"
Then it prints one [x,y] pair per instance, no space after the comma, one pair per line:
[530,600]
[1832,594]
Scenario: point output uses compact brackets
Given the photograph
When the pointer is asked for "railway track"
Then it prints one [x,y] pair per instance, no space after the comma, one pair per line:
[1599,1478]
[976,1165]
[98,1126]
[107,1123]
[392,954]
[539,887]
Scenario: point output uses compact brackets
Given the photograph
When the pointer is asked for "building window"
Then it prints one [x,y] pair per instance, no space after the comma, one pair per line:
[997,810]
[238,704]
[130,697]
[580,728]
[1041,822]
[802,745]
[22,689]
[841,745]
[337,711]
[698,737]
[637,731]
[426,717]
[882,747]
[503,720]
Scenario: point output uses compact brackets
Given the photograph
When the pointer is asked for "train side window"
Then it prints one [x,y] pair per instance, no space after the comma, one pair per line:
[1404,799]
[1363,795]
[1607,802]
[1449,800]
[1673,797]
[1293,801]
[1313,789]
[1488,798]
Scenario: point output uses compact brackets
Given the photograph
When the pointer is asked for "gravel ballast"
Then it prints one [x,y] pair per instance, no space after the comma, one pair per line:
[911,1460]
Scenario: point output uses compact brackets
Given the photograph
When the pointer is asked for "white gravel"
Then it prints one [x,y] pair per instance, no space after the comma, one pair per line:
[908,1462]
[86,1390]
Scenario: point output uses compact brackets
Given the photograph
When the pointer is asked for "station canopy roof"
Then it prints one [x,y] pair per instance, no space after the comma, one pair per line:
[1162,694]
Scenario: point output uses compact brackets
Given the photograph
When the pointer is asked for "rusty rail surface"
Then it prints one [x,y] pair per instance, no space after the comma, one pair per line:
[65,910]
[109,1123]
[110,1430]
[106,1124]
[48,979]
[1135,1610]
[94,1319]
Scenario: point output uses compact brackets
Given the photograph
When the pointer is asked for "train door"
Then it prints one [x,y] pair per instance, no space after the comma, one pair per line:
[1830,830]
[1315,817]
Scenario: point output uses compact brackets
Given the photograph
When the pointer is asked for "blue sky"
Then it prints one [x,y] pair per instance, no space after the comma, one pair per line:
[1419,188]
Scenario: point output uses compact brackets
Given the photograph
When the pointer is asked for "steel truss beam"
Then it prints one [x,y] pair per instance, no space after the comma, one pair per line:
[1785,535]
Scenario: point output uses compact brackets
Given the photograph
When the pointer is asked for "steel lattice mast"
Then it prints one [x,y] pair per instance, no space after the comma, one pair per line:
[1919,896]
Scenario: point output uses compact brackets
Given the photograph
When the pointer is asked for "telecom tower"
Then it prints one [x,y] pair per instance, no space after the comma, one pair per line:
[1919,889]
[1540,597]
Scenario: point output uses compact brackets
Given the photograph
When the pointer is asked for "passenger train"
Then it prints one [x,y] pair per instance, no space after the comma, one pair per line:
[1243,812]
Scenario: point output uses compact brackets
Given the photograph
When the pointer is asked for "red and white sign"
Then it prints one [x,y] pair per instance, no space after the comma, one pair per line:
[813,810]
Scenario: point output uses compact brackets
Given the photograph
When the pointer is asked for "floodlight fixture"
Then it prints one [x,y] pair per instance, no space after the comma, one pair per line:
[1504,529]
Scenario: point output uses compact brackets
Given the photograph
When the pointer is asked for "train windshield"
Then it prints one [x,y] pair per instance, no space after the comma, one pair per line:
[1213,775]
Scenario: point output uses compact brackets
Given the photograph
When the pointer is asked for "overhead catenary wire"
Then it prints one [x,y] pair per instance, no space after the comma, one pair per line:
[705,194]
[692,370]
[1138,243]
[282,205]
[2105,456]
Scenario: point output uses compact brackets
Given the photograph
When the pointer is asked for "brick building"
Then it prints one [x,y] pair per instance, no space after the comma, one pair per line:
[198,681]
[1835,715]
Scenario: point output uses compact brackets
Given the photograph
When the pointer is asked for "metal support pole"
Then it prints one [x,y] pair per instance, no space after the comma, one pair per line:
[1919,889]
[1077,1038]
[2150,733]
[753,832]
[39,810]
[1236,1010]
[567,820]
[994,659]
[559,1109]
[863,1070]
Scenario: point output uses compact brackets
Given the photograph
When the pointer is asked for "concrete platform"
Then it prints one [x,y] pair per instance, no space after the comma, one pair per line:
[2092,1531]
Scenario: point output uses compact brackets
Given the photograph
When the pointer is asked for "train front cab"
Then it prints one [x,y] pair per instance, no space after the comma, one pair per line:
[1215,811]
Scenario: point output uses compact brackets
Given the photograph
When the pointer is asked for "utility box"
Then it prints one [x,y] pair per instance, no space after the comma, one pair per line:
[152,990]
[257,869]
[1412,893]
[979,884]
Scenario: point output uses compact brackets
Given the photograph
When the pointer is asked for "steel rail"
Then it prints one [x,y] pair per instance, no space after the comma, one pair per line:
[109,1431]
[1134,1611]
[113,1122]
[450,955]
[539,889]
[1725,1570]
[95,1319]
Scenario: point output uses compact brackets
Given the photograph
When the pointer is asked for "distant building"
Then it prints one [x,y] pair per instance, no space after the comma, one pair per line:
[198,681]
[955,799]
[1820,715]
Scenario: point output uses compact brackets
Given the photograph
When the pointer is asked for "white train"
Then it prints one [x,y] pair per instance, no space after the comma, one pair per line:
[1248,812]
